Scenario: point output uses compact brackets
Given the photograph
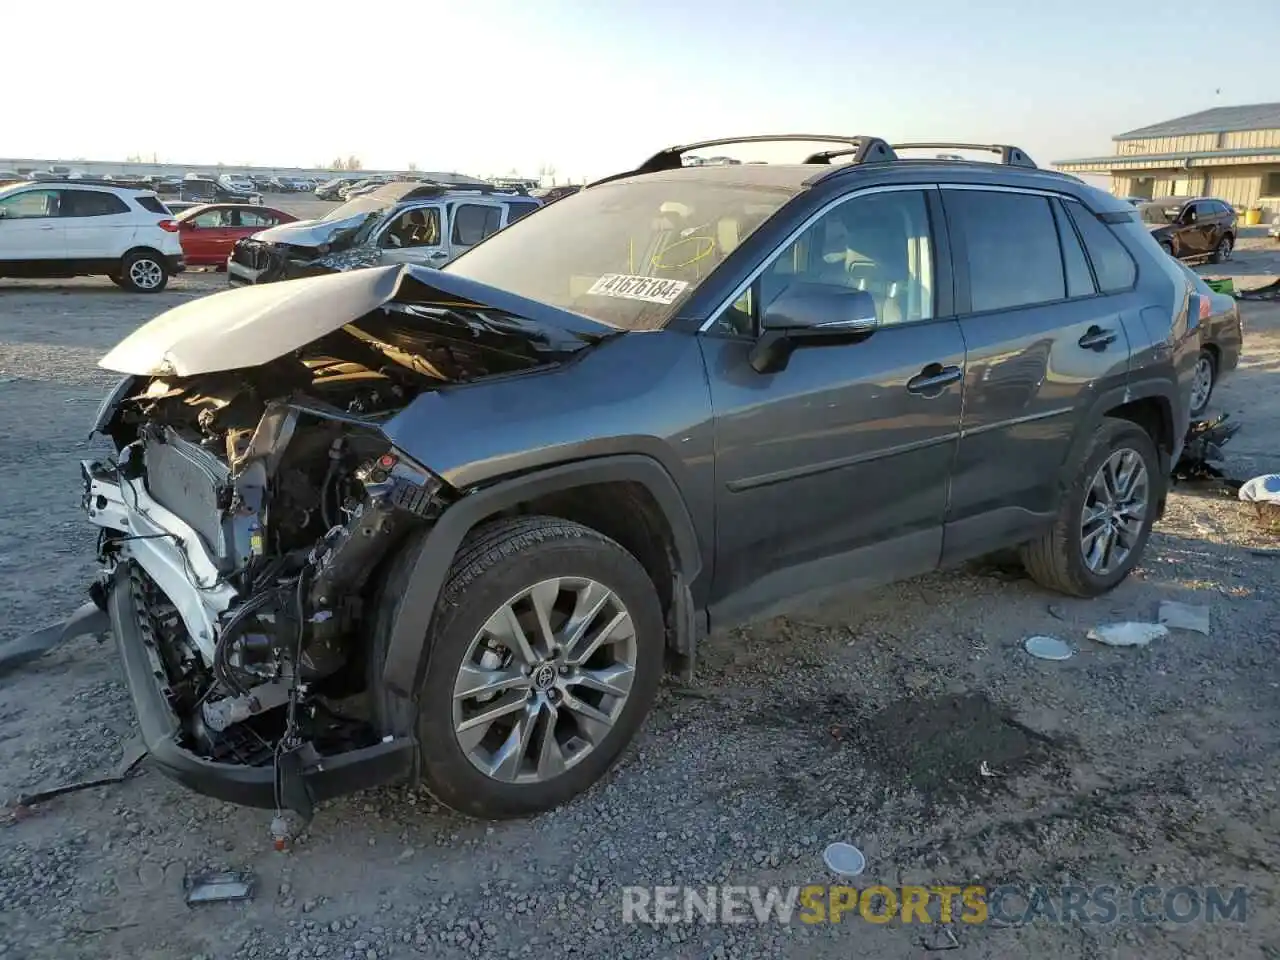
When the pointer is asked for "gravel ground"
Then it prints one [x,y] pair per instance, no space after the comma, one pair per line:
[866,721]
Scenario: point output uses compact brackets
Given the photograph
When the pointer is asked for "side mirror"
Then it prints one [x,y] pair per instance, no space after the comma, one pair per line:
[811,313]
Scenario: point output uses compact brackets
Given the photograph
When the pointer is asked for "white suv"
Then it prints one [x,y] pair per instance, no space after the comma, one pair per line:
[78,228]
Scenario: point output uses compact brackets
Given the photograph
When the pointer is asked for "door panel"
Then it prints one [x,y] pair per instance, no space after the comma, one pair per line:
[30,228]
[1033,368]
[833,472]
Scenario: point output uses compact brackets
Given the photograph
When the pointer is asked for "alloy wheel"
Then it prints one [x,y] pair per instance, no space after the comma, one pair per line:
[544,680]
[1224,249]
[146,274]
[1201,383]
[1115,509]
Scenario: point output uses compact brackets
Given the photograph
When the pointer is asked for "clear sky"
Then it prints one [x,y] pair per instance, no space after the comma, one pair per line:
[592,86]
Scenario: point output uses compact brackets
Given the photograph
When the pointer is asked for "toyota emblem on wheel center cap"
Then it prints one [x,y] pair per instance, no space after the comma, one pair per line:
[544,677]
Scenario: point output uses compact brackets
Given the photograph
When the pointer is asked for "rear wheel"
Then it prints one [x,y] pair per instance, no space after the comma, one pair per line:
[1105,517]
[1222,252]
[143,272]
[545,656]
[1202,382]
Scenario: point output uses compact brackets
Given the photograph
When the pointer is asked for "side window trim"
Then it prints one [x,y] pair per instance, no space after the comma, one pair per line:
[941,269]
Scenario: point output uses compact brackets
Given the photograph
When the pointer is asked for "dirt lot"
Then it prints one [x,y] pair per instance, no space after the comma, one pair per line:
[867,721]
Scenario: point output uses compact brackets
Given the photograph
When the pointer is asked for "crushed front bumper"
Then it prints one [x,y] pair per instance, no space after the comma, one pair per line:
[171,549]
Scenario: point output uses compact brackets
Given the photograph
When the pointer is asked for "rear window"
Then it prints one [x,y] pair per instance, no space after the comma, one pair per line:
[152,204]
[628,253]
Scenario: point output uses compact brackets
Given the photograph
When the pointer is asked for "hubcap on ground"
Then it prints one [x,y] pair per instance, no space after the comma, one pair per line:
[1201,383]
[1115,508]
[544,680]
[146,274]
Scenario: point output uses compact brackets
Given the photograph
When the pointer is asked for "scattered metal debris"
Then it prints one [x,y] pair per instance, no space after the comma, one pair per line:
[88,619]
[219,887]
[1268,291]
[134,751]
[1263,494]
[1184,616]
[1128,634]
[940,938]
[844,859]
[984,770]
[1202,458]
[1047,648]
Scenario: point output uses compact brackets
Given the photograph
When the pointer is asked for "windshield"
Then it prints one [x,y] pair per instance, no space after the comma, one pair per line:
[627,254]
[1164,212]
[360,206]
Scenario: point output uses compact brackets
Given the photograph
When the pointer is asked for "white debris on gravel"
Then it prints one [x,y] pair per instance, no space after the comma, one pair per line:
[1128,634]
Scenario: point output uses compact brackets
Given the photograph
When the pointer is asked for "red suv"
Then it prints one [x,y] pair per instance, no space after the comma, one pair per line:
[209,232]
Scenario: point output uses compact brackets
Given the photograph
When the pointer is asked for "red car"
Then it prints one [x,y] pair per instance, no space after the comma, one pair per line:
[208,232]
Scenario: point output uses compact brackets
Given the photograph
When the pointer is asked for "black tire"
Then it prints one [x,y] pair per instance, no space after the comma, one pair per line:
[1206,356]
[1055,560]
[494,563]
[1222,252]
[1167,248]
[116,279]
[137,264]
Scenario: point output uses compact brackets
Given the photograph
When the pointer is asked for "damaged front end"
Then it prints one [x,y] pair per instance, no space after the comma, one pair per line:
[305,249]
[250,512]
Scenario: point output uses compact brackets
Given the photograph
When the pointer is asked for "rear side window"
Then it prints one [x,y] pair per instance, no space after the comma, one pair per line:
[1112,264]
[256,218]
[153,205]
[1079,279]
[87,203]
[472,223]
[517,210]
[1012,249]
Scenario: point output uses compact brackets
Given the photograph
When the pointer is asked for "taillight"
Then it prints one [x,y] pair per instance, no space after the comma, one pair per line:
[170,225]
[1204,308]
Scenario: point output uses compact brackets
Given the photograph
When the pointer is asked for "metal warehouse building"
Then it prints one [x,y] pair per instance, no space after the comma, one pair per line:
[1232,153]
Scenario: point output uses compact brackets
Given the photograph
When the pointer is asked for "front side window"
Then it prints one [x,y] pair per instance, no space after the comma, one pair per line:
[1011,246]
[418,227]
[628,253]
[880,243]
[212,219]
[29,204]
[472,222]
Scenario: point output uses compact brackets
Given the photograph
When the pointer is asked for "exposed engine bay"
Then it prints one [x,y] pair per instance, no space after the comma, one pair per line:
[253,510]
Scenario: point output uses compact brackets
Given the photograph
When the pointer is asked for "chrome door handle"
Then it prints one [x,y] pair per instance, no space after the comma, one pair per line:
[930,381]
[1095,338]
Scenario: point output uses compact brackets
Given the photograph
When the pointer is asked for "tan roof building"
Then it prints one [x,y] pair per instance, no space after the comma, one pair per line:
[1232,153]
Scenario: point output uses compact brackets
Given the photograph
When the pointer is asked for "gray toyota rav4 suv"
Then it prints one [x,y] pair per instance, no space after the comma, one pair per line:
[453,524]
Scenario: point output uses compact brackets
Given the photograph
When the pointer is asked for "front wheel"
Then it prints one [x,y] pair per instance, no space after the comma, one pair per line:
[143,272]
[1166,247]
[1105,516]
[545,656]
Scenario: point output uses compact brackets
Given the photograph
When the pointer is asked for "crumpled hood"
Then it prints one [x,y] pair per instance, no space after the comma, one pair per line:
[252,325]
[308,233]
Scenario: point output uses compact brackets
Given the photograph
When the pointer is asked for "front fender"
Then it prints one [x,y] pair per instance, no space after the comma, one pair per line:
[408,647]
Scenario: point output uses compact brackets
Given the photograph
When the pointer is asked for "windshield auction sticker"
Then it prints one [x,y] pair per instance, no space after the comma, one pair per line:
[651,289]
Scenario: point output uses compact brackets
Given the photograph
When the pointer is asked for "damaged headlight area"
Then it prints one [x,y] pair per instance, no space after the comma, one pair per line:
[249,533]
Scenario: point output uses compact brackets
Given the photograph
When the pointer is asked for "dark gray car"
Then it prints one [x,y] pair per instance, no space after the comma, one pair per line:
[453,523]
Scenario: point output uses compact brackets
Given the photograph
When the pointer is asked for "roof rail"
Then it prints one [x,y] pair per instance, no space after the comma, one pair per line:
[1009,155]
[90,182]
[862,149]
